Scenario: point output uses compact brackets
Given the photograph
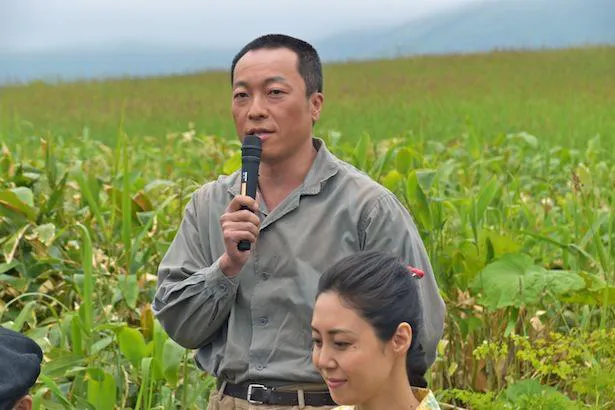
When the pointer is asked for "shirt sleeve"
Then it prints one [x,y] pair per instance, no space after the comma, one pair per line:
[389,227]
[193,296]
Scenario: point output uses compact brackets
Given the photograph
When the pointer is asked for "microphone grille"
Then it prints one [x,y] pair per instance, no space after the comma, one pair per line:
[252,146]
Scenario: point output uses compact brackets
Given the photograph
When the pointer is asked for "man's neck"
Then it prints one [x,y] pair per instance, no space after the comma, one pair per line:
[277,181]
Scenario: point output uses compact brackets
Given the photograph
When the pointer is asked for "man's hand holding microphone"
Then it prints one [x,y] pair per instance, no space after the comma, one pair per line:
[240,223]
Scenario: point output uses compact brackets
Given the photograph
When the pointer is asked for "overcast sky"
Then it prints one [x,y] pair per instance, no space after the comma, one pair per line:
[47,25]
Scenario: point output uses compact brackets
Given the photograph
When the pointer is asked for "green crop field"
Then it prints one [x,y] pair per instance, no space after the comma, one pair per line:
[560,96]
[505,160]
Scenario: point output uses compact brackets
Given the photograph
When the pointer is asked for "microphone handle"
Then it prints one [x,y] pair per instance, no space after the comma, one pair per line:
[249,182]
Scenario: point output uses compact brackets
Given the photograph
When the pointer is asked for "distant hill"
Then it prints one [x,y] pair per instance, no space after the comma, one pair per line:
[503,24]
[486,26]
[109,62]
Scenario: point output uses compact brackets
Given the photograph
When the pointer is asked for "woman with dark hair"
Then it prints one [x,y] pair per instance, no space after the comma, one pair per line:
[365,326]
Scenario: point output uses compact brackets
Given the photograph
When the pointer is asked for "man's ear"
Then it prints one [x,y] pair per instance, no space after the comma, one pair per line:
[316,102]
[25,403]
[402,338]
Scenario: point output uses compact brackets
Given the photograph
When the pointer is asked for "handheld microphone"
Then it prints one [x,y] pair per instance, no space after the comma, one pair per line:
[250,161]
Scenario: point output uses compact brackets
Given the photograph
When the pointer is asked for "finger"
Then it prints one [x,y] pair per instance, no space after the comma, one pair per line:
[236,236]
[242,200]
[239,226]
[240,216]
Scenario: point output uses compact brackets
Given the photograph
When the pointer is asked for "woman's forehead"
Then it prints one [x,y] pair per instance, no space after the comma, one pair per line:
[330,311]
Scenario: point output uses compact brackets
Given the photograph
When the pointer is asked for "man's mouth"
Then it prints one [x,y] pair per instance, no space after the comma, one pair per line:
[259,131]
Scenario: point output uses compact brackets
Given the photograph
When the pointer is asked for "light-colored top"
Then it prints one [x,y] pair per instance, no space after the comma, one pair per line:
[256,326]
[427,401]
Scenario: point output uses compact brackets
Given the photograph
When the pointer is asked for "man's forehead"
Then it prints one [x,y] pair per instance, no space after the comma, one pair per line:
[279,61]
[270,52]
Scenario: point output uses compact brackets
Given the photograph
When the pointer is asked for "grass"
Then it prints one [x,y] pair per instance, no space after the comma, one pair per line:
[564,96]
[519,225]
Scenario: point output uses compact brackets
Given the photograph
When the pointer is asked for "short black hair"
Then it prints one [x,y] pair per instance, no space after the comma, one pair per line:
[309,65]
[383,291]
[8,404]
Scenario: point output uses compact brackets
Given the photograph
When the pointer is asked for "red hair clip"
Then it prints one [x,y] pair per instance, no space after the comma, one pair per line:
[416,272]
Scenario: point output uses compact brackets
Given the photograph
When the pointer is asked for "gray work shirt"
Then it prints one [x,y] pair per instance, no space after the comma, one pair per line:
[256,325]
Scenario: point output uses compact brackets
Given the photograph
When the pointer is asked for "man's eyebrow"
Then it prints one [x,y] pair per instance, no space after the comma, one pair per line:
[274,79]
[240,84]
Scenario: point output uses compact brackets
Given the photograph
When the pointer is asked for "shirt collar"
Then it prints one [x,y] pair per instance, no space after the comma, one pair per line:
[324,166]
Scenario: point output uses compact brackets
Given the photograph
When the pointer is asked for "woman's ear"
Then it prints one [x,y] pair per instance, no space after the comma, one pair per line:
[402,338]
[25,403]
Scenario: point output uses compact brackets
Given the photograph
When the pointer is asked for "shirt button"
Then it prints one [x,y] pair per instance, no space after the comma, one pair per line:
[264,321]
[265,276]
[259,367]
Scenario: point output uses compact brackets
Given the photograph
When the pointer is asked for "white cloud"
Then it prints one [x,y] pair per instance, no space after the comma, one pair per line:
[39,25]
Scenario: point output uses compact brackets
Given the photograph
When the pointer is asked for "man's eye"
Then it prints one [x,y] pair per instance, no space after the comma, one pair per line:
[240,95]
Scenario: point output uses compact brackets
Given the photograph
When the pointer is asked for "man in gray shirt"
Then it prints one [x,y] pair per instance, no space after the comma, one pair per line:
[249,313]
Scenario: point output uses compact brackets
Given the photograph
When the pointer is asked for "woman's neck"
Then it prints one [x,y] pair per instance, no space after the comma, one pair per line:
[397,395]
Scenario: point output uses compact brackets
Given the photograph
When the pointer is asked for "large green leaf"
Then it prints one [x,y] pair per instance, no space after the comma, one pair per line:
[45,233]
[19,200]
[130,289]
[595,292]
[54,198]
[232,164]
[528,393]
[171,360]
[25,195]
[392,180]
[485,197]
[9,247]
[132,345]
[417,197]
[159,339]
[403,160]
[425,177]
[514,280]
[24,314]
[102,390]
[529,139]
[500,243]
[360,151]
[48,381]
[60,363]
[5,267]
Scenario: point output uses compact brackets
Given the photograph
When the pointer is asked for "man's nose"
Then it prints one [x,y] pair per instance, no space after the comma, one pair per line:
[257,108]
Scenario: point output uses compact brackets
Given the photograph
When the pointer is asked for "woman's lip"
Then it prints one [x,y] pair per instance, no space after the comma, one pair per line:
[334,384]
